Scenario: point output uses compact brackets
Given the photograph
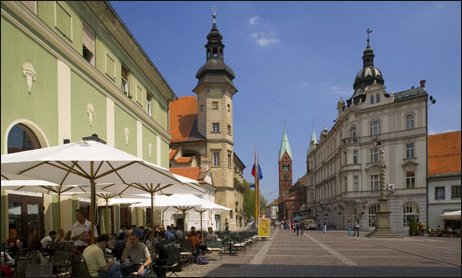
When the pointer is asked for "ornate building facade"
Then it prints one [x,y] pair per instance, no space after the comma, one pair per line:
[344,165]
[202,133]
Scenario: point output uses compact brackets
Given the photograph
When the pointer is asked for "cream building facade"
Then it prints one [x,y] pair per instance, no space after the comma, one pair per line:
[343,167]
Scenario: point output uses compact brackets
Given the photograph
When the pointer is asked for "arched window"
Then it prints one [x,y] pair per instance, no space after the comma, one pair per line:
[21,138]
[375,127]
[409,121]
[410,213]
[371,214]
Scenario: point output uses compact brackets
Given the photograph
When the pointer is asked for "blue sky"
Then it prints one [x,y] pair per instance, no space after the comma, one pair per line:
[294,60]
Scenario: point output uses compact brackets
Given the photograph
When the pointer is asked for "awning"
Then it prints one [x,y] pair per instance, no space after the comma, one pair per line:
[451,215]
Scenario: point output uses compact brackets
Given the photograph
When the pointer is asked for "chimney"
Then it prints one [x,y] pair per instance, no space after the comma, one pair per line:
[422,83]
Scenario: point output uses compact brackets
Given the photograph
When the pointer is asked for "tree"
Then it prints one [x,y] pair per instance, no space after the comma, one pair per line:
[249,202]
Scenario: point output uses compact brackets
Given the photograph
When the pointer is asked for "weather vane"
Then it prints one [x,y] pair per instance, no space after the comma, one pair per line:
[368,31]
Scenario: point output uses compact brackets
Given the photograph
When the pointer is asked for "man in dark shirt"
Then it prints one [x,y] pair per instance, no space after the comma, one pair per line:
[161,256]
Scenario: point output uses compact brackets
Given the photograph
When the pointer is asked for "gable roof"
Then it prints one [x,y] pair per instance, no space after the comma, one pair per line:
[183,120]
[190,172]
[444,153]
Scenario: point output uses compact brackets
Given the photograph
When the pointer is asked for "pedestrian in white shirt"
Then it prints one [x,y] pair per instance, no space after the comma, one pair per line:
[48,240]
[81,230]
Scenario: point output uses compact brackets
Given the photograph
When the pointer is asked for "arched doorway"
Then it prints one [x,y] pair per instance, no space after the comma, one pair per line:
[25,213]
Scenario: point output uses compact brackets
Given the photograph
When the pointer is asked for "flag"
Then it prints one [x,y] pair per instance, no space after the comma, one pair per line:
[252,186]
[260,174]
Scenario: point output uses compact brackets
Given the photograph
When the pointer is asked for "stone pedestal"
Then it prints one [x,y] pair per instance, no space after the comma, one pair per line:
[382,221]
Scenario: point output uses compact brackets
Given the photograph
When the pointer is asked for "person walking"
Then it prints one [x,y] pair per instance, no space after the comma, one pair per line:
[324,226]
[356,228]
[349,228]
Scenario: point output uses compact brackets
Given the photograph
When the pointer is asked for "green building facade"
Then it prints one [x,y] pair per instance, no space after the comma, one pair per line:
[70,70]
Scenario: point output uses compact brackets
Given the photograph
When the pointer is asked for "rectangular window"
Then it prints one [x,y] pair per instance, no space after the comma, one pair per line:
[124,87]
[455,192]
[374,182]
[410,150]
[216,127]
[410,180]
[372,99]
[355,183]
[355,156]
[230,160]
[345,158]
[377,98]
[88,51]
[229,129]
[216,158]
[215,105]
[375,155]
[439,193]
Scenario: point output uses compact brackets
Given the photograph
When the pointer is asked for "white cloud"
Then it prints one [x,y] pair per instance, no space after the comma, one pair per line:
[262,32]
[264,38]
[254,20]
[432,131]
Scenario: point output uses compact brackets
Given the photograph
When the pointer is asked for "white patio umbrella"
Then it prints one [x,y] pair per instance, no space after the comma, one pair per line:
[451,215]
[210,206]
[183,202]
[86,162]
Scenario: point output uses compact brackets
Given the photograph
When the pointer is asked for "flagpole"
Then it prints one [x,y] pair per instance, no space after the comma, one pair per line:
[257,193]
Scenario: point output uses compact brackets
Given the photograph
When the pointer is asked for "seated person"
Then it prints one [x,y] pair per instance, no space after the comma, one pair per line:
[138,254]
[201,247]
[119,247]
[96,263]
[161,254]
[48,240]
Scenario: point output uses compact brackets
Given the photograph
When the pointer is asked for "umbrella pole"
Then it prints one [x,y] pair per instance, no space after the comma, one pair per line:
[152,212]
[59,211]
[92,208]
[201,212]
[107,217]
[184,220]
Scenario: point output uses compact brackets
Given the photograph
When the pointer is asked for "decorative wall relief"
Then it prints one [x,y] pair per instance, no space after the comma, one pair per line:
[91,113]
[150,149]
[29,73]
[126,134]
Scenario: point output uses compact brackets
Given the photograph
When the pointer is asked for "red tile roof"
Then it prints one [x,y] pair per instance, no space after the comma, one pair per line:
[172,153]
[190,172]
[444,153]
[183,115]
[183,159]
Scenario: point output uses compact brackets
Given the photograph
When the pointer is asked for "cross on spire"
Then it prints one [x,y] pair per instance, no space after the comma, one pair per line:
[214,13]
[368,31]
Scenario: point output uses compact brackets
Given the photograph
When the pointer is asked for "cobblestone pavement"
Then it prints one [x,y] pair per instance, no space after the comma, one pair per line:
[315,254]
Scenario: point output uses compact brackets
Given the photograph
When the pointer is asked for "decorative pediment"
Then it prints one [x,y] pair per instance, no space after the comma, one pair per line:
[410,165]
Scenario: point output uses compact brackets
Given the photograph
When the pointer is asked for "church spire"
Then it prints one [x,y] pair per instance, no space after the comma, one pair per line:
[285,146]
[313,141]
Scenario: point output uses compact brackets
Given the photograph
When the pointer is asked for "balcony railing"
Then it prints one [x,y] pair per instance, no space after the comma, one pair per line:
[350,140]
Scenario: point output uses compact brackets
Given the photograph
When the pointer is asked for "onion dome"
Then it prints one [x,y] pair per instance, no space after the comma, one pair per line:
[214,54]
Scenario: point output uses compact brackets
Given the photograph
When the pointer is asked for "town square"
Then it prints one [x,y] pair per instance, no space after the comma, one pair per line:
[313,139]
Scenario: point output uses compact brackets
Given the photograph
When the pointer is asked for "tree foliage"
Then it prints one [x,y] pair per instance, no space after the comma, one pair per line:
[249,202]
